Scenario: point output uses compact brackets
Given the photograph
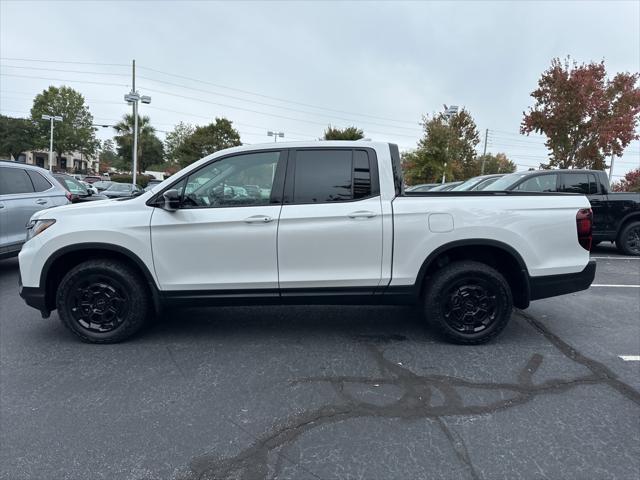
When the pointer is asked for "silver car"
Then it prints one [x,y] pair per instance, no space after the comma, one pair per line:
[24,189]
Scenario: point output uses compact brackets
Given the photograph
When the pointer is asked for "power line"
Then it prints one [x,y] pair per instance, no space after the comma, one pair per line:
[416,128]
[63,61]
[324,124]
[63,80]
[272,97]
[63,70]
[207,83]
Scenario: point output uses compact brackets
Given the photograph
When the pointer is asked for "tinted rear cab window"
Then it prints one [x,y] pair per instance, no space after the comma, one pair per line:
[326,175]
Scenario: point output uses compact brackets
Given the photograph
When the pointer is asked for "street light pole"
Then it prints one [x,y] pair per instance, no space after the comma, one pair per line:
[275,135]
[448,113]
[52,118]
[134,97]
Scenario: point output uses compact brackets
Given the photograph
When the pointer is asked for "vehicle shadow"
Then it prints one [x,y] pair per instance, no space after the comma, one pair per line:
[291,321]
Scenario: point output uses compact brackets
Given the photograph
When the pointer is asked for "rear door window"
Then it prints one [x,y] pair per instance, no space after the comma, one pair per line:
[576,183]
[539,183]
[326,175]
[40,184]
[14,181]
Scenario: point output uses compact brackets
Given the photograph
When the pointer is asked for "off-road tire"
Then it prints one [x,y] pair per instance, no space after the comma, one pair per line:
[628,239]
[92,291]
[476,289]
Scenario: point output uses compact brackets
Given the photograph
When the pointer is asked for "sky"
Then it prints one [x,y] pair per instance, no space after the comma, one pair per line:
[297,67]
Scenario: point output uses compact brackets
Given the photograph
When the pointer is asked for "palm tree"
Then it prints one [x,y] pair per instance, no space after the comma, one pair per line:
[149,146]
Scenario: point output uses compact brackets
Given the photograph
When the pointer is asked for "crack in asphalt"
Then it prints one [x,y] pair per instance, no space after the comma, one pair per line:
[418,400]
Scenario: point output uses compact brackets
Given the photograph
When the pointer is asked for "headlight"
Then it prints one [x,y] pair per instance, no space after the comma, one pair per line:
[36,227]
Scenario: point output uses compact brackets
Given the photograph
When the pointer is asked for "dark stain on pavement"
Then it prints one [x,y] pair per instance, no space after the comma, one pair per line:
[420,397]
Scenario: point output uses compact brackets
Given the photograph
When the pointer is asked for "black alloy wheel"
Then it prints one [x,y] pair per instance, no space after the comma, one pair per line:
[468,301]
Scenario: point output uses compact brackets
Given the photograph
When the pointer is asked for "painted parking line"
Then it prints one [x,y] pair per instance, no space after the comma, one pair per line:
[630,358]
[616,258]
[614,286]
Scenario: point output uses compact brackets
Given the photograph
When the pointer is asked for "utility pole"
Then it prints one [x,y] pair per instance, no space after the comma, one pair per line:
[484,153]
[53,118]
[448,113]
[134,97]
[135,123]
[613,157]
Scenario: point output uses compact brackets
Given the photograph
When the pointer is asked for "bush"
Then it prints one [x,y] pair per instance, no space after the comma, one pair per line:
[141,180]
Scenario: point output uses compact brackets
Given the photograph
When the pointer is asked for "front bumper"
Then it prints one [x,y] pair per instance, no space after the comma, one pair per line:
[34,297]
[554,285]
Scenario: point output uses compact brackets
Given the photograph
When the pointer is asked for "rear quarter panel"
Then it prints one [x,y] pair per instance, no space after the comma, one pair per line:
[541,228]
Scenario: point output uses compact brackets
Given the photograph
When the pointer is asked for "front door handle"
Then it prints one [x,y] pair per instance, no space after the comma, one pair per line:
[258,219]
[362,214]
[41,201]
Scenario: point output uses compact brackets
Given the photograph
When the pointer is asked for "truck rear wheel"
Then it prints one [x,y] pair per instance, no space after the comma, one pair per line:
[628,241]
[102,301]
[469,302]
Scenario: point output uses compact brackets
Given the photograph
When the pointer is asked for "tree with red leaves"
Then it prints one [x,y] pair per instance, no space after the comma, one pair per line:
[584,115]
[630,182]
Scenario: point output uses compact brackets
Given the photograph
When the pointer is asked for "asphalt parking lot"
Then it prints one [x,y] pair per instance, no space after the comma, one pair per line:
[328,392]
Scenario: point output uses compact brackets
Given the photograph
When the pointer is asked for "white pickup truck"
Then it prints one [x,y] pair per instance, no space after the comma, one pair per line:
[305,223]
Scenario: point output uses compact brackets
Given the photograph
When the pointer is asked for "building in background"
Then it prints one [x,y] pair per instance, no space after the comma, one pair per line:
[72,162]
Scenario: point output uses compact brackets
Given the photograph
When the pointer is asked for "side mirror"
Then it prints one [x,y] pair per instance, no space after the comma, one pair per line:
[171,200]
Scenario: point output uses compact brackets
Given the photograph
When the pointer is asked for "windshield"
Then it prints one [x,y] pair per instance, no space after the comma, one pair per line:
[73,185]
[119,187]
[504,183]
[467,185]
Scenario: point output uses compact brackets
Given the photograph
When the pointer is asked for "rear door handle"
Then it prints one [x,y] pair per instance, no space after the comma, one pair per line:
[258,219]
[362,214]
[41,201]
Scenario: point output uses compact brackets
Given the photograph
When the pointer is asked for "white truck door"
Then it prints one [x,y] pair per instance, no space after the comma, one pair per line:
[223,237]
[330,228]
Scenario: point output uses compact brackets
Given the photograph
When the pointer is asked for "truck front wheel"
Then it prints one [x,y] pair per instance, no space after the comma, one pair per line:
[102,301]
[469,302]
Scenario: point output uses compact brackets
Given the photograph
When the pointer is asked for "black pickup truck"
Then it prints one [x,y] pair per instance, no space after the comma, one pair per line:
[616,216]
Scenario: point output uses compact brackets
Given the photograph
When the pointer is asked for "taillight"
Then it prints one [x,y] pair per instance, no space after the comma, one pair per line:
[68,195]
[584,223]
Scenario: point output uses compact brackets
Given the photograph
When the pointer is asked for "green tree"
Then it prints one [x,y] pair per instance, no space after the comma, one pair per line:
[498,163]
[75,132]
[107,155]
[448,146]
[585,116]
[348,133]
[175,139]
[16,136]
[206,140]
[150,148]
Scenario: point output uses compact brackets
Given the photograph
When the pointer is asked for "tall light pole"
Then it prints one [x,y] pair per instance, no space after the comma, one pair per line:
[448,113]
[56,118]
[275,135]
[133,98]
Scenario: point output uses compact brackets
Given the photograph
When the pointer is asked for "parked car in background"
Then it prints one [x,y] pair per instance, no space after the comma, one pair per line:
[117,190]
[102,185]
[152,183]
[79,193]
[92,179]
[90,187]
[616,215]
[444,187]
[306,222]
[477,183]
[24,189]
[424,187]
